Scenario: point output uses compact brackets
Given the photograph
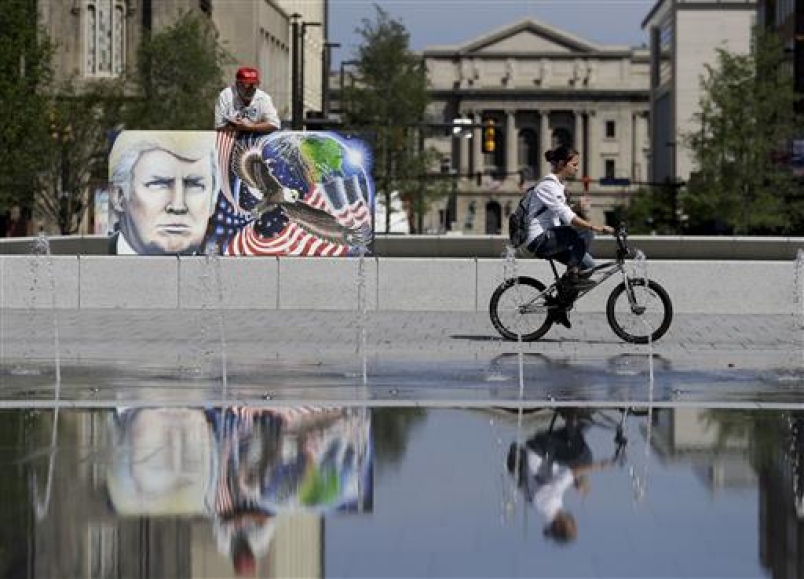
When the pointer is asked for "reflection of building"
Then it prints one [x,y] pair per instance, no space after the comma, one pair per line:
[685,435]
[769,455]
[540,86]
[110,508]
[684,35]
[78,535]
[781,517]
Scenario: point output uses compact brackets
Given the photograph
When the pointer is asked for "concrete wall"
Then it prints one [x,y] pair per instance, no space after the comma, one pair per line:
[389,284]
[493,246]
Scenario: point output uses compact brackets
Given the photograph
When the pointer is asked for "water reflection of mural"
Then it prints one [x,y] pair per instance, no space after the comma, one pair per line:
[223,462]
[287,193]
[241,467]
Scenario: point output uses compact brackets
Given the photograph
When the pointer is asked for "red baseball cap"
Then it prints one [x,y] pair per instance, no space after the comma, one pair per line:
[248,75]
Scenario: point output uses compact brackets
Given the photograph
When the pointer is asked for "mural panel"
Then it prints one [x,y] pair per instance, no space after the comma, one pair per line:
[205,192]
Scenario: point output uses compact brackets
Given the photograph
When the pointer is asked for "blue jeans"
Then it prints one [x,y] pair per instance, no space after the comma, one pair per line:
[566,245]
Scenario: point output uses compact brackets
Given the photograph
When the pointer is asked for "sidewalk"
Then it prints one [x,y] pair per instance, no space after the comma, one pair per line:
[427,357]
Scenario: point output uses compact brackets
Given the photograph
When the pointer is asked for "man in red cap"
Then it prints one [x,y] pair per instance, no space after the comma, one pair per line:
[244,107]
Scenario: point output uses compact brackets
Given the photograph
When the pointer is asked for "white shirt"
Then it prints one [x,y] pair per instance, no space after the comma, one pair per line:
[123,247]
[231,107]
[548,482]
[550,193]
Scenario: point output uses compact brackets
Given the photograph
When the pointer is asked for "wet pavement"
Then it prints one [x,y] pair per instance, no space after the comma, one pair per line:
[401,492]
[104,357]
[157,443]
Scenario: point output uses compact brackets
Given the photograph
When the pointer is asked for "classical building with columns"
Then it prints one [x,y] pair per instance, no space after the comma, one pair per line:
[540,86]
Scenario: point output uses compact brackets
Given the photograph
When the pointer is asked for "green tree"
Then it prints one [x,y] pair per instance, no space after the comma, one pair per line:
[388,100]
[80,122]
[392,428]
[25,77]
[746,119]
[651,210]
[178,77]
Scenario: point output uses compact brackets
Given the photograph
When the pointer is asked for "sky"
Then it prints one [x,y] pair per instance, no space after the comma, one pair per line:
[455,22]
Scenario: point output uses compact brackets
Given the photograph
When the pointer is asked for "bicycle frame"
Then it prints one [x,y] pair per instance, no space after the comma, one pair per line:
[608,268]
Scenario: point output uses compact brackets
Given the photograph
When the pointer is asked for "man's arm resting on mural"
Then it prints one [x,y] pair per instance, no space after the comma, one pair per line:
[248,126]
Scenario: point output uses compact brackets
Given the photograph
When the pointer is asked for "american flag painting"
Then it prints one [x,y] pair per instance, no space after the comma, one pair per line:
[272,460]
[292,193]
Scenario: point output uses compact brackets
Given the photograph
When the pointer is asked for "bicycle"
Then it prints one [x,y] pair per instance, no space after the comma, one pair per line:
[638,309]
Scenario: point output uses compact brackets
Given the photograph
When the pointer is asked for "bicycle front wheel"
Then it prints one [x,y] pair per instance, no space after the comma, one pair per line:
[518,308]
[640,312]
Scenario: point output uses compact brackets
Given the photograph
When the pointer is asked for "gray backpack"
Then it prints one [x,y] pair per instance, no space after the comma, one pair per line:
[518,224]
[518,221]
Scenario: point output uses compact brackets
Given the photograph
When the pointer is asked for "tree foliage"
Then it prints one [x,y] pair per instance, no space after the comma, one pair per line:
[81,122]
[179,74]
[747,123]
[388,100]
[25,77]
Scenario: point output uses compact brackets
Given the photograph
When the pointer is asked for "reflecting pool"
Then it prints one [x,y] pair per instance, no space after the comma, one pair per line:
[308,491]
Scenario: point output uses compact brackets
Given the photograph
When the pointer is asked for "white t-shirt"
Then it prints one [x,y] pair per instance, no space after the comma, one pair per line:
[547,482]
[549,193]
[231,107]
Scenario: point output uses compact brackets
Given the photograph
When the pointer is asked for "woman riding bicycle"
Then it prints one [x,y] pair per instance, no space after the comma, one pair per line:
[552,232]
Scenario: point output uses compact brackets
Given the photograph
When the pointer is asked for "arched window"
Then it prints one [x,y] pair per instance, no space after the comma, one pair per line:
[105,37]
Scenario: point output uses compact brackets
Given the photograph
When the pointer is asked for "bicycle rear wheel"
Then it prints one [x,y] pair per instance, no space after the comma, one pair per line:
[518,308]
[646,319]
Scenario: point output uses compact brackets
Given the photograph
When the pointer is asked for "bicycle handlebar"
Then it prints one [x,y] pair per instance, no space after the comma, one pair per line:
[621,235]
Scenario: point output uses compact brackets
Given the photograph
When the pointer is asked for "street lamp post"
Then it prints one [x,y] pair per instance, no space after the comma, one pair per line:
[326,60]
[344,64]
[295,90]
[304,27]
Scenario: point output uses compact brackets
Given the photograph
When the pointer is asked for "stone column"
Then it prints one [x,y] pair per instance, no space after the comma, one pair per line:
[544,141]
[477,143]
[464,150]
[577,137]
[592,156]
[511,141]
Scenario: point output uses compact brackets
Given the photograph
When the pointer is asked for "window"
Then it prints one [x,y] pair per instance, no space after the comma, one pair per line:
[610,169]
[104,41]
[611,129]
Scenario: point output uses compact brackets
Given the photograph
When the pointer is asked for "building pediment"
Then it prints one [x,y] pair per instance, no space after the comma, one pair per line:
[527,36]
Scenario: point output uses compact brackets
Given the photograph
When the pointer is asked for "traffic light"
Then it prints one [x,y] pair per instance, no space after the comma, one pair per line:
[586,180]
[489,137]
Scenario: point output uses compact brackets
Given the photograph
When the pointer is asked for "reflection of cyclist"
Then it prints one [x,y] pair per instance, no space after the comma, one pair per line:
[549,463]
[553,230]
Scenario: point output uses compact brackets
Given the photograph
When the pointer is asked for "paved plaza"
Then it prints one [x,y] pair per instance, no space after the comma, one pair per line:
[433,358]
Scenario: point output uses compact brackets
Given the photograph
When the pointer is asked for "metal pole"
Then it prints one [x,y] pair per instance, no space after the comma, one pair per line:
[304,26]
[326,61]
[296,107]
